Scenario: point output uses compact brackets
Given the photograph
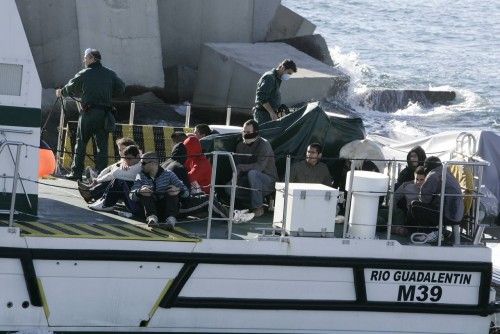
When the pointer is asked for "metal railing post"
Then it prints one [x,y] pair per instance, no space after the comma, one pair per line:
[188,115]
[228,115]
[212,194]
[234,180]
[392,171]
[348,202]
[441,202]
[285,195]
[14,187]
[132,113]
[59,139]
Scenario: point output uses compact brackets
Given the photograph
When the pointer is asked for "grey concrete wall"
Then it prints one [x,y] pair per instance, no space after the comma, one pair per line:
[51,28]
[127,33]
[228,74]
[287,24]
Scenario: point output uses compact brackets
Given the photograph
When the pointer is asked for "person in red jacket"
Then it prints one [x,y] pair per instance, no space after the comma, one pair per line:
[197,165]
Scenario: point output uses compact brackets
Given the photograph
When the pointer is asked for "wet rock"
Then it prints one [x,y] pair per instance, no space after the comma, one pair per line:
[390,100]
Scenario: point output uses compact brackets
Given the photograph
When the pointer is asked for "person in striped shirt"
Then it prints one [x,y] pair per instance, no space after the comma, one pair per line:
[158,191]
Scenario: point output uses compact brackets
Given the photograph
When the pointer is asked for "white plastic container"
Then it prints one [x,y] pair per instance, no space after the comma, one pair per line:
[311,207]
[367,188]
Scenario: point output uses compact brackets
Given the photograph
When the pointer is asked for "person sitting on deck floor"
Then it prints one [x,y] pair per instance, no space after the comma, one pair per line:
[311,170]
[95,189]
[257,164]
[158,191]
[120,179]
[198,201]
[415,158]
[425,212]
[198,167]
[403,197]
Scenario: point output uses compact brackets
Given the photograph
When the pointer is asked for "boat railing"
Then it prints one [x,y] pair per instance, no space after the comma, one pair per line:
[474,232]
[230,218]
[15,178]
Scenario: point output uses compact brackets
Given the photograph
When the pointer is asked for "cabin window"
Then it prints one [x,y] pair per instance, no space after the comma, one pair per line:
[11,76]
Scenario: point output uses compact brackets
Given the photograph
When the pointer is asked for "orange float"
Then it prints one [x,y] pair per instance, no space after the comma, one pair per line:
[47,162]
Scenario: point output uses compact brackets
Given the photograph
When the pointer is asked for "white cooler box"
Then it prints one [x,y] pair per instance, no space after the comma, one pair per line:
[311,207]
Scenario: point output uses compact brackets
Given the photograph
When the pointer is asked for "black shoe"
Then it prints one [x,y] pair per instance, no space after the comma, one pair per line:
[83,185]
[86,194]
[72,177]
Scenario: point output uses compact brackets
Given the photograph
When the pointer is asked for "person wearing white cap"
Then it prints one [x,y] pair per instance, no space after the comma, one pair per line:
[95,85]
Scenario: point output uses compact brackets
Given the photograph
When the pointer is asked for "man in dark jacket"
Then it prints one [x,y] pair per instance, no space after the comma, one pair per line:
[257,164]
[425,212]
[415,158]
[96,85]
[267,96]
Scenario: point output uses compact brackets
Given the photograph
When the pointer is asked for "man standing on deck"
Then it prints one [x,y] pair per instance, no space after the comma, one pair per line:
[96,85]
[267,96]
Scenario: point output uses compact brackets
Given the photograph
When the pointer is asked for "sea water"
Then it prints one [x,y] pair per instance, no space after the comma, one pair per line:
[403,44]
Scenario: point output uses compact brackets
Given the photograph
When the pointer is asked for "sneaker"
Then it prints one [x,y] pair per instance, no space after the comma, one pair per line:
[152,220]
[170,223]
[423,238]
[258,212]
[72,177]
[242,216]
[99,206]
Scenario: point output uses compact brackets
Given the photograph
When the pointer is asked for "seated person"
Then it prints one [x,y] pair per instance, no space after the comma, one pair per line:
[178,138]
[197,202]
[425,211]
[198,167]
[311,170]
[157,190]
[96,188]
[176,163]
[120,180]
[403,197]
[415,158]
[203,130]
[257,165]
[409,190]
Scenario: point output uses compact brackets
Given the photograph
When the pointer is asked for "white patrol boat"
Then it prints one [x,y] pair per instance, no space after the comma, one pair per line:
[64,268]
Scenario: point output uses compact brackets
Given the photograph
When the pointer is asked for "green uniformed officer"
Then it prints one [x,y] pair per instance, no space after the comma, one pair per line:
[267,96]
[96,85]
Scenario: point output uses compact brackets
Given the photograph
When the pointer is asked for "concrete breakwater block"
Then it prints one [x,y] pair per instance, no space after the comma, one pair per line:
[228,74]
[287,24]
[52,31]
[128,35]
[313,45]
[390,100]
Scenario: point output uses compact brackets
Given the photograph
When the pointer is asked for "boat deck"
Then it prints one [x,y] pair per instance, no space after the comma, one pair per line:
[63,213]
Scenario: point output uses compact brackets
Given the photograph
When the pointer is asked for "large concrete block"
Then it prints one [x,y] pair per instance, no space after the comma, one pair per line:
[179,83]
[127,33]
[228,74]
[185,25]
[263,14]
[313,45]
[287,24]
[52,31]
